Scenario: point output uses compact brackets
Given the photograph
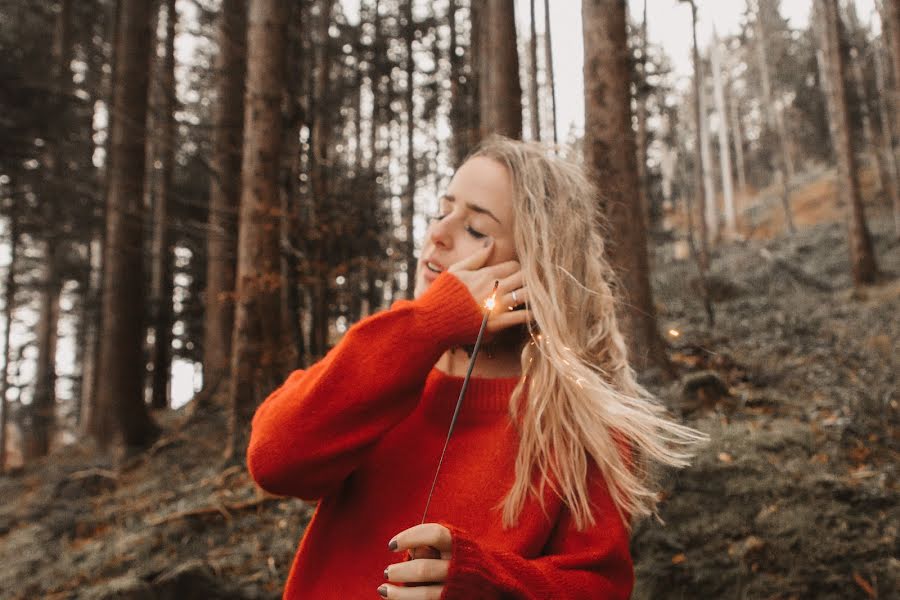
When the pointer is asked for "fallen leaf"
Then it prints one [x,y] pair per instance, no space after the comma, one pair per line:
[679,558]
[865,585]
[725,457]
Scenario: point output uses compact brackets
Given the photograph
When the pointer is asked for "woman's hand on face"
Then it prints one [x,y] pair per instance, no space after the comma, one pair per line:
[430,546]
[480,281]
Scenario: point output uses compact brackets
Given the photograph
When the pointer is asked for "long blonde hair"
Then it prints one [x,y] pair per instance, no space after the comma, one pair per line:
[583,401]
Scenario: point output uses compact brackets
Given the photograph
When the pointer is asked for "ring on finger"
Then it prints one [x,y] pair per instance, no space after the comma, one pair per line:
[515,299]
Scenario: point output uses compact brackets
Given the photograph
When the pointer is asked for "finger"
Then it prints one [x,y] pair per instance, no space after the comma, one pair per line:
[513,282]
[508,318]
[474,261]
[420,570]
[502,270]
[426,534]
[423,592]
[520,299]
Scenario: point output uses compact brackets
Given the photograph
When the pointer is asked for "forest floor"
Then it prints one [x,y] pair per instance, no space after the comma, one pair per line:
[796,496]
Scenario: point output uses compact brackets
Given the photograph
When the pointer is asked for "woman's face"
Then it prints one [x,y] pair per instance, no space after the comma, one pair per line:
[477,206]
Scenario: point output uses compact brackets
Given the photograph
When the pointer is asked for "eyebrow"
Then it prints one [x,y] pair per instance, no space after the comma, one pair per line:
[473,207]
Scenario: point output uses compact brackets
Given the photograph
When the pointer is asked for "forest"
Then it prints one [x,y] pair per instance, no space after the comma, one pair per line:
[199,196]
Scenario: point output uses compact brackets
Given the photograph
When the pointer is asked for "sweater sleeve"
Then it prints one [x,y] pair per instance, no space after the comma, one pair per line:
[311,433]
[593,564]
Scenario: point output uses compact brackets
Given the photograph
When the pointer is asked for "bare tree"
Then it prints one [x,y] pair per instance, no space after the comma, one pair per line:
[500,92]
[774,115]
[548,59]
[120,390]
[724,149]
[862,256]
[9,299]
[161,182]
[409,203]
[610,153]
[534,109]
[224,192]
[259,343]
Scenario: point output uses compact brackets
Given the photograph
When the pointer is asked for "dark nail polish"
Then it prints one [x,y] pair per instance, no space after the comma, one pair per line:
[392,545]
[385,574]
[382,591]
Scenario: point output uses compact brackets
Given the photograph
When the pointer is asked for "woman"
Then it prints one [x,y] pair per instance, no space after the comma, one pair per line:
[548,462]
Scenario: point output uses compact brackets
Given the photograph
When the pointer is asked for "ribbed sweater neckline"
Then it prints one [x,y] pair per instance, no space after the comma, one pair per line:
[486,398]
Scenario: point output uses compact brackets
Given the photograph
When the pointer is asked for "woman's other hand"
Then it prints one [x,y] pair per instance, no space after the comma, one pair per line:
[430,546]
[480,281]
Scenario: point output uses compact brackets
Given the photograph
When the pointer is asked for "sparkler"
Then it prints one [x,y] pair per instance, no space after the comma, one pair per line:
[489,305]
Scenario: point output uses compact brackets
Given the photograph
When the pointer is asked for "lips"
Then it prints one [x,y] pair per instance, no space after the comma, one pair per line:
[430,274]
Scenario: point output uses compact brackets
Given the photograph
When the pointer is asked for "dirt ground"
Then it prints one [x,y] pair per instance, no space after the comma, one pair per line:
[796,496]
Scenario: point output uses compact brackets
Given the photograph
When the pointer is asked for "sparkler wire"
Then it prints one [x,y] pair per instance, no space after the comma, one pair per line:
[462,393]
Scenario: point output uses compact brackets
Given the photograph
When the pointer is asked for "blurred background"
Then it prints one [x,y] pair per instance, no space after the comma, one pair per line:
[199,196]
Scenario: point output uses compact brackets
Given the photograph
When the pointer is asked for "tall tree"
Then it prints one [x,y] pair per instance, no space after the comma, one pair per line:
[500,91]
[891,11]
[9,297]
[224,192]
[862,256]
[120,390]
[161,182]
[258,363]
[43,408]
[724,149]
[409,202]
[548,60]
[534,109]
[774,113]
[641,93]
[886,137]
[610,153]
[699,117]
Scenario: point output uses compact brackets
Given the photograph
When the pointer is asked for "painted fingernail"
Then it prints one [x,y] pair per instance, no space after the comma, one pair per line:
[382,591]
[386,574]
[392,545]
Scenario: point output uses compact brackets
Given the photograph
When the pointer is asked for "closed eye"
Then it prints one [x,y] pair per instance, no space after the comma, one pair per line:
[475,234]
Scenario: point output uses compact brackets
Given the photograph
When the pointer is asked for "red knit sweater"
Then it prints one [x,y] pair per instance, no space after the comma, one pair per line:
[362,431]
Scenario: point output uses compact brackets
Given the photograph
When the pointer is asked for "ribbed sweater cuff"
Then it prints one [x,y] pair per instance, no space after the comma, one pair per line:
[449,311]
[465,576]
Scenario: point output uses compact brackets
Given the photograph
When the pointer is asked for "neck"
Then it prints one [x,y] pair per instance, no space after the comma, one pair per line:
[501,363]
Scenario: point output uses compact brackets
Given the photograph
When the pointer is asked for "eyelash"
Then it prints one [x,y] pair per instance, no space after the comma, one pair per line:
[475,234]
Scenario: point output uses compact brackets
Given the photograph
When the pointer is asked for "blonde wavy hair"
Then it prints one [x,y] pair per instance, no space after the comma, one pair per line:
[584,402]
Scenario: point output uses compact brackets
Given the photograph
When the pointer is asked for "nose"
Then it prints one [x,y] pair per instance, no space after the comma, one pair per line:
[441,231]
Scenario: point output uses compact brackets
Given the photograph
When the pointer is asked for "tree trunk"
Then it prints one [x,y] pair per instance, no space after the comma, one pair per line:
[409,203]
[534,109]
[862,256]
[775,118]
[611,155]
[892,18]
[888,157]
[258,345]
[500,92]
[699,117]
[724,149]
[163,258]
[224,193]
[10,295]
[710,217]
[548,59]
[120,391]
[641,101]
[737,136]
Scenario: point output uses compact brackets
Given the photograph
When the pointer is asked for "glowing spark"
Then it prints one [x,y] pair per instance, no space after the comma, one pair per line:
[674,332]
[492,300]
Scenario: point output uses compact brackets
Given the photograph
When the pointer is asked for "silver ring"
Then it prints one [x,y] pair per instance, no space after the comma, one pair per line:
[515,300]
